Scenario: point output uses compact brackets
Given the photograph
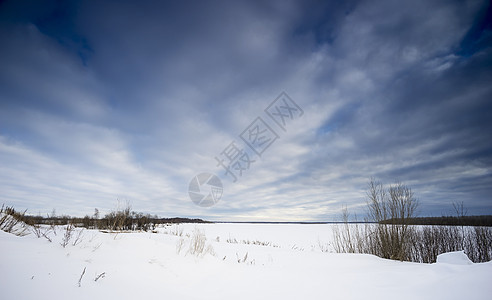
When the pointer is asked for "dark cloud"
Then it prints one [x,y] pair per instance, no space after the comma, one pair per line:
[106,100]
[479,36]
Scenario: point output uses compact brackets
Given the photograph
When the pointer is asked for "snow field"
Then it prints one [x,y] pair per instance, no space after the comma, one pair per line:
[260,261]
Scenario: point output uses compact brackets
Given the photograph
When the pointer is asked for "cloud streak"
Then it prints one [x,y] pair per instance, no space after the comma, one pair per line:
[129,101]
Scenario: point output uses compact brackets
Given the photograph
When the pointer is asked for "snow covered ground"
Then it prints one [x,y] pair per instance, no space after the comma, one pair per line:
[241,261]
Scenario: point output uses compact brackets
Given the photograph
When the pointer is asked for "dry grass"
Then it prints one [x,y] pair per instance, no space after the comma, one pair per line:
[12,221]
[198,245]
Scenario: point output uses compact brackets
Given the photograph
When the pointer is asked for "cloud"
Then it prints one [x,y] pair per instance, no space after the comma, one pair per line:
[106,101]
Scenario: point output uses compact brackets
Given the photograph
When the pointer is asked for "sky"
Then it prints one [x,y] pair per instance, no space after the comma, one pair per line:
[109,103]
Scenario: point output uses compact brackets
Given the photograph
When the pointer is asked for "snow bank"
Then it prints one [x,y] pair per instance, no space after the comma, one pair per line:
[454,258]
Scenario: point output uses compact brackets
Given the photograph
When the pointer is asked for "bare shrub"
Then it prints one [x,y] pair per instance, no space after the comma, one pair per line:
[40,231]
[124,219]
[298,248]
[119,219]
[392,237]
[197,244]
[244,259]
[428,242]
[176,230]
[36,229]
[47,236]
[239,260]
[78,237]
[53,228]
[231,240]
[259,243]
[349,238]
[80,279]
[478,244]
[102,275]
[69,230]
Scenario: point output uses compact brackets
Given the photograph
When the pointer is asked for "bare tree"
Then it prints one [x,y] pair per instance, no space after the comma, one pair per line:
[96,218]
[461,212]
[392,210]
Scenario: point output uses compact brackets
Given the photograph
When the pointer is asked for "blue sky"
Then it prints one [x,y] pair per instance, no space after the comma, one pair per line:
[107,102]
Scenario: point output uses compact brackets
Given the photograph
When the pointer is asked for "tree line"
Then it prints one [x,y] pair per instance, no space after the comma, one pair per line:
[119,219]
[484,220]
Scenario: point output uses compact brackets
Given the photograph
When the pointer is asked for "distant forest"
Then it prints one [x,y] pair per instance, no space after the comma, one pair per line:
[485,220]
